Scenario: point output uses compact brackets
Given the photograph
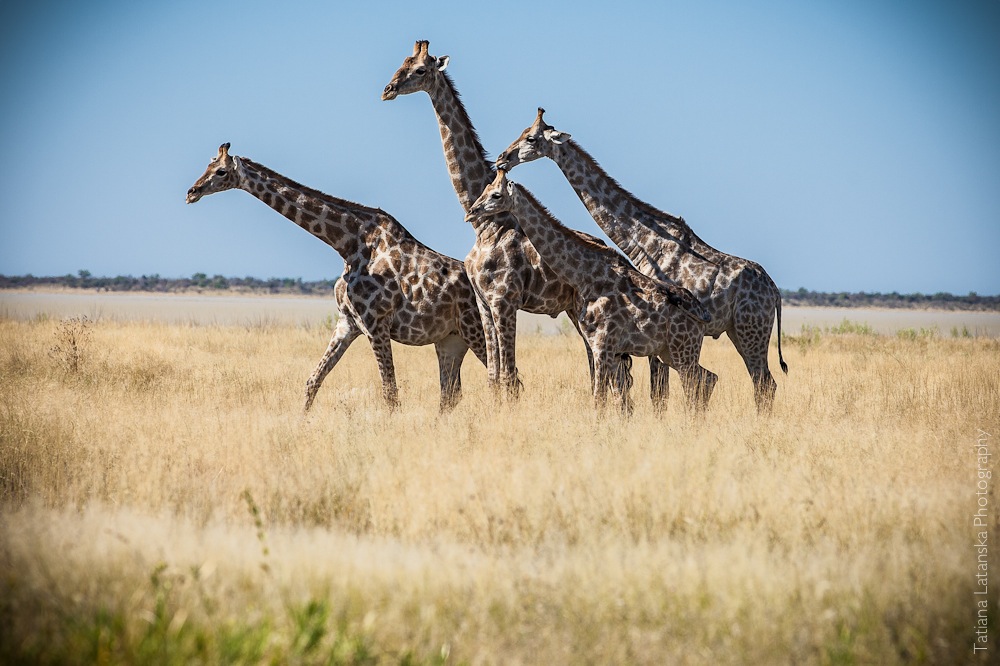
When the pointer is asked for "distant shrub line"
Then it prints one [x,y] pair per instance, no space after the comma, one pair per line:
[861,299]
[155,283]
[203,282]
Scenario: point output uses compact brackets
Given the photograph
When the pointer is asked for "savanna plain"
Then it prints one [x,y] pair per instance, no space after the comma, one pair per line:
[164,500]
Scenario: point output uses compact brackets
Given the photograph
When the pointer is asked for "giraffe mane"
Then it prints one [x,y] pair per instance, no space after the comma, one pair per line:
[334,202]
[645,207]
[464,117]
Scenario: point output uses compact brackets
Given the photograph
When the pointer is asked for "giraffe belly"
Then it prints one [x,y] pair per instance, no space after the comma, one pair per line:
[722,316]
[418,329]
[426,313]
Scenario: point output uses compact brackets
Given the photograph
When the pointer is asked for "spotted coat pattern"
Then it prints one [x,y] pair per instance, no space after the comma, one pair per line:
[739,294]
[621,311]
[506,271]
[393,286]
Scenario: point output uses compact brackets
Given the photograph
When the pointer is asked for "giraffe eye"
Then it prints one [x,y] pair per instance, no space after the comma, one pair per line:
[529,139]
[420,71]
[221,172]
[496,195]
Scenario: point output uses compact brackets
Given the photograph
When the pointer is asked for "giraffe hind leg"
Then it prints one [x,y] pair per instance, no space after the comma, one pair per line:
[699,383]
[659,384]
[450,353]
[764,390]
[751,339]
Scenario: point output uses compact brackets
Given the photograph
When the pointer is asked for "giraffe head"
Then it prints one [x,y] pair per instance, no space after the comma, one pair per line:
[537,141]
[419,72]
[498,197]
[221,174]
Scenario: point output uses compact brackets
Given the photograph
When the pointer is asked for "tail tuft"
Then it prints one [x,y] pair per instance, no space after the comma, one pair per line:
[784,366]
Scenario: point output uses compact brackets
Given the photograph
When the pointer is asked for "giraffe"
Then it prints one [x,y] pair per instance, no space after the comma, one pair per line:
[621,311]
[393,286]
[505,269]
[740,295]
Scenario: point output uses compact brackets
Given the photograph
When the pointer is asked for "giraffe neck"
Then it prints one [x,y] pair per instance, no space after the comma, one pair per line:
[471,170]
[341,224]
[652,239]
[571,255]
[489,228]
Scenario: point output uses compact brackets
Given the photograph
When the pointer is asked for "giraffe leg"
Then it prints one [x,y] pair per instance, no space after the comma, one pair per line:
[764,389]
[492,347]
[472,330]
[684,354]
[382,346]
[604,366]
[344,334]
[586,345]
[698,383]
[659,384]
[505,317]
[751,337]
[450,352]
[621,383]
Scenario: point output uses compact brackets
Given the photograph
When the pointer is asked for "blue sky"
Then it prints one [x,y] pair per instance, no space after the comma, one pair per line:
[850,145]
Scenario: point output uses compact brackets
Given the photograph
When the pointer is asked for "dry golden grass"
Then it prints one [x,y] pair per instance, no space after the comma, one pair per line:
[167,502]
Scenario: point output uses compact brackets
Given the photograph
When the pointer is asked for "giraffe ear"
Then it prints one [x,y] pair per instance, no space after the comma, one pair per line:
[442,63]
[510,188]
[555,136]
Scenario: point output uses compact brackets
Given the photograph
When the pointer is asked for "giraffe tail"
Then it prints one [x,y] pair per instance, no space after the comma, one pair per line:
[784,366]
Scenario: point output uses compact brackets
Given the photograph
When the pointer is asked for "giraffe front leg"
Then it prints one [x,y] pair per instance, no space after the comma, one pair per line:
[586,345]
[382,346]
[506,327]
[344,334]
[603,367]
[450,353]
[621,383]
[659,384]
[492,347]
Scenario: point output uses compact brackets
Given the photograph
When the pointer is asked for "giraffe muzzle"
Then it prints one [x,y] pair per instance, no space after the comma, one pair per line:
[193,195]
[507,160]
[389,92]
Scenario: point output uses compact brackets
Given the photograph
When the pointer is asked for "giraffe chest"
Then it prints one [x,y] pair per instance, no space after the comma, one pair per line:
[509,269]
